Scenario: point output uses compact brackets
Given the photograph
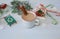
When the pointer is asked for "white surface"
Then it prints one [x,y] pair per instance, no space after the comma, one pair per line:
[18,31]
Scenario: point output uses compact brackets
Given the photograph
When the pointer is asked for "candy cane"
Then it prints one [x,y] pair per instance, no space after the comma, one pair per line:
[53,11]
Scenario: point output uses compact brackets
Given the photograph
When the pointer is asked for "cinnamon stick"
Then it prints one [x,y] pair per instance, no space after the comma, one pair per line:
[24,10]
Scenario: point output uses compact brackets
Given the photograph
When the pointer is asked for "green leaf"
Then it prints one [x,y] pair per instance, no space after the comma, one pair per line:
[40,11]
[1,12]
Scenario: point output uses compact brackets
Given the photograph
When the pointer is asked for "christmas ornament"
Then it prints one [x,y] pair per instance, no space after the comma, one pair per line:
[3,6]
[40,13]
[10,20]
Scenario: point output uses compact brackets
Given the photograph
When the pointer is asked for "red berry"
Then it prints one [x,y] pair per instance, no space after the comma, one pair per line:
[39,14]
[3,6]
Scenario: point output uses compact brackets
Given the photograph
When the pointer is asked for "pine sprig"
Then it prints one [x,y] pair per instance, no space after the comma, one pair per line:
[54,21]
[15,5]
[27,5]
[1,11]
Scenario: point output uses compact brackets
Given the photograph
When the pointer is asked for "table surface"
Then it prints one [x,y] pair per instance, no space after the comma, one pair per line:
[19,30]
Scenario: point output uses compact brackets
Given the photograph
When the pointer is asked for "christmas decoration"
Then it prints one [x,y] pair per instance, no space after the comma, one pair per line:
[2,8]
[40,13]
[10,20]
[28,15]
[54,21]
[16,4]
[27,5]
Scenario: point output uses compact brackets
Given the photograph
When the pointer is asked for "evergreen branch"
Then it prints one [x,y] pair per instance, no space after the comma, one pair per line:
[54,20]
